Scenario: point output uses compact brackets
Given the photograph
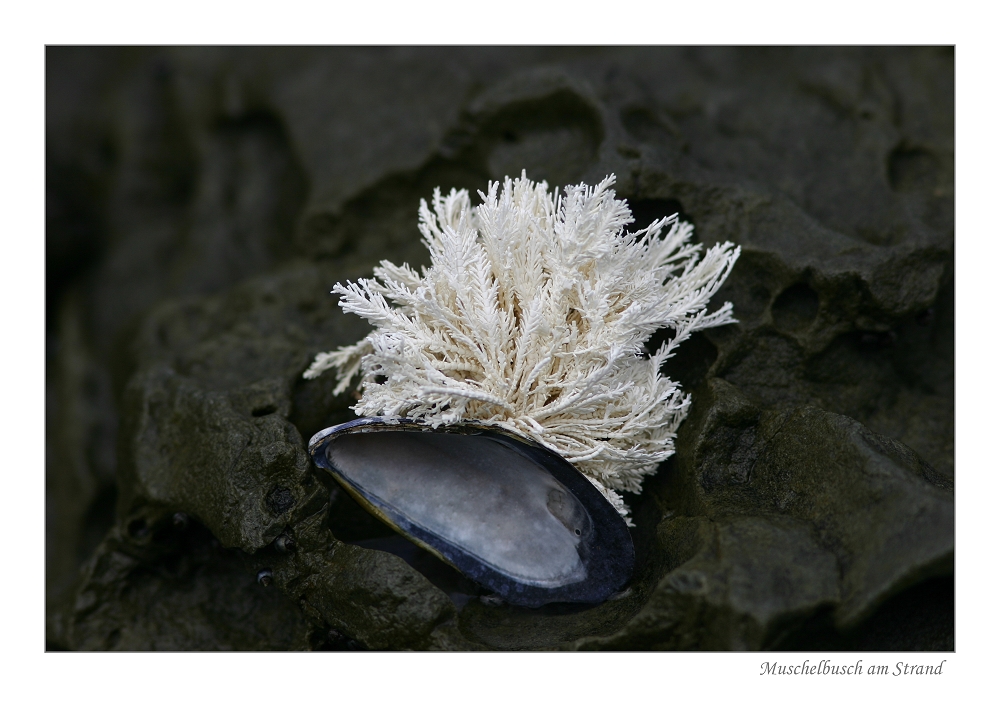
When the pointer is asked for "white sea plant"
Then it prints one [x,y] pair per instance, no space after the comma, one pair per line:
[533,317]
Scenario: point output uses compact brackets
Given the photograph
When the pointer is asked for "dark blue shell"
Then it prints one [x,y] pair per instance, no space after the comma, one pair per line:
[589,549]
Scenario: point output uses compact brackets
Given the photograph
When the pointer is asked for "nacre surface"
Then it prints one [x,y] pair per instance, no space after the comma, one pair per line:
[509,514]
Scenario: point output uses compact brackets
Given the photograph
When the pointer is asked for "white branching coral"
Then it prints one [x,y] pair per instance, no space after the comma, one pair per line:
[532,316]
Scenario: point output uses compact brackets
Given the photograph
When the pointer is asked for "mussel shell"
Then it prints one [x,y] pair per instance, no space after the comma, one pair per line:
[537,532]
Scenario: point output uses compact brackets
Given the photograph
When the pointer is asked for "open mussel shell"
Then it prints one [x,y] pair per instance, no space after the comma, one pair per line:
[511,515]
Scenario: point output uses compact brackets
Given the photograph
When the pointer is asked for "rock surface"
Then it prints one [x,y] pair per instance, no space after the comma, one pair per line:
[201,202]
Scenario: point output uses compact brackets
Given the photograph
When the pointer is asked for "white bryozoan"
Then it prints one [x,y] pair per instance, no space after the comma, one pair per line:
[532,316]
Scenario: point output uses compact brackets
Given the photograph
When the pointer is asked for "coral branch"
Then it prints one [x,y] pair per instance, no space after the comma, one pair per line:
[532,316]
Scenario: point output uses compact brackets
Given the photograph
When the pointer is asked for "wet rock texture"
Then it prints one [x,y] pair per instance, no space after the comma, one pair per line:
[201,202]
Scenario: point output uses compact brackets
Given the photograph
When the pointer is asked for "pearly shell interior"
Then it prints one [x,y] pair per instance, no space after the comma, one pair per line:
[511,515]
[433,478]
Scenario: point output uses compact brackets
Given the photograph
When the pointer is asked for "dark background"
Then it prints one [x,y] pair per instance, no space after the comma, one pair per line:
[202,201]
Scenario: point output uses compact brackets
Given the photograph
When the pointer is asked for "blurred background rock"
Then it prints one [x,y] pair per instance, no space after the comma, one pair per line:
[202,201]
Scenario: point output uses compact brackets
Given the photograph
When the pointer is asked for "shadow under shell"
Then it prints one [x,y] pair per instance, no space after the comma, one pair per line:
[509,514]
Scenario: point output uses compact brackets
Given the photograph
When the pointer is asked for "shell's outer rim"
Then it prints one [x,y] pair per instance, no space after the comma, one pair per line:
[616,571]
[327,434]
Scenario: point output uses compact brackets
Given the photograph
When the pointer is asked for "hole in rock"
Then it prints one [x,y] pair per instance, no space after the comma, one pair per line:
[645,211]
[280,500]
[554,138]
[795,308]
[691,360]
[264,410]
